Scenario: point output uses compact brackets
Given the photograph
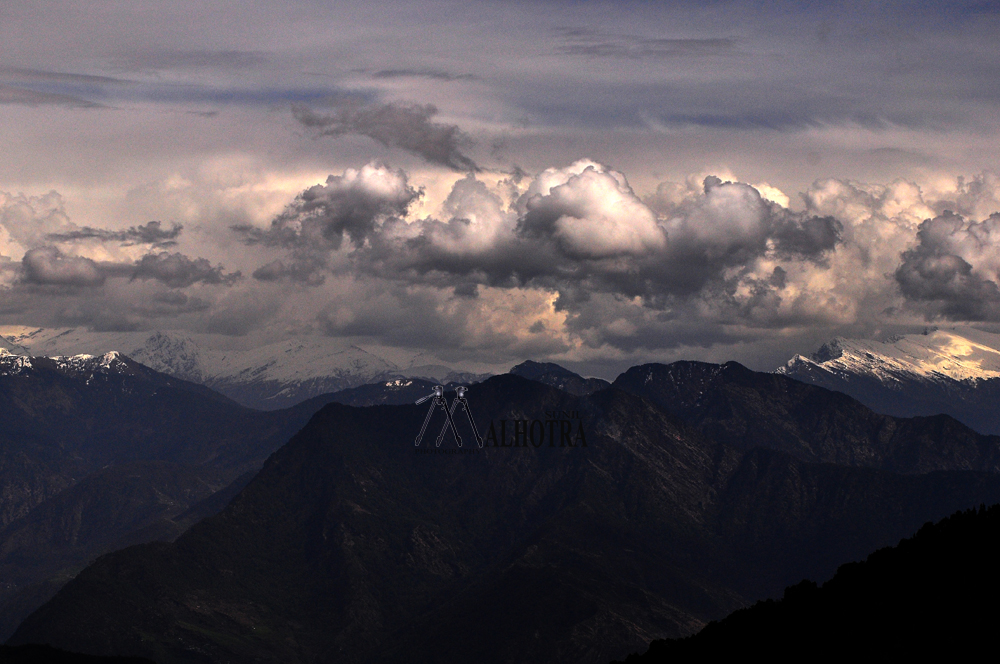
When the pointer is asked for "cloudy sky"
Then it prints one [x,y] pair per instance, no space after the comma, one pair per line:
[595,183]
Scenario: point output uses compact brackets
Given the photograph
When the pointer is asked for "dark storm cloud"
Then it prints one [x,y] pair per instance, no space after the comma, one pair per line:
[308,269]
[153,233]
[804,236]
[178,271]
[406,126]
[47,266]
[170,303]
[937,276]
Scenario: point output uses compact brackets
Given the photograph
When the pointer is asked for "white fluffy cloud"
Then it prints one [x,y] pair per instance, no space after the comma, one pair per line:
[591,212]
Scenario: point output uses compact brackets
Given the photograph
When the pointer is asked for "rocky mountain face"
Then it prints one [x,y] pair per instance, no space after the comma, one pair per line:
[956,372]
[747,409]
[923,598]
[353,545]
[97,453]
[557,376]
[268,377]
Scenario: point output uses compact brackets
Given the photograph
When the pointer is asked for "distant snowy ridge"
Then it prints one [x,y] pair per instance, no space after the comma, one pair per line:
[955,372]
[271,376]
[937,355]
[109,362]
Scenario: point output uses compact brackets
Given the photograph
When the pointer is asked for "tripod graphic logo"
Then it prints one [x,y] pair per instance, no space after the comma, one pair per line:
[441,402]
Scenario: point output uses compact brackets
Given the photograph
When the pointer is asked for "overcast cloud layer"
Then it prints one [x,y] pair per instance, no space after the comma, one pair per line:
[598,184]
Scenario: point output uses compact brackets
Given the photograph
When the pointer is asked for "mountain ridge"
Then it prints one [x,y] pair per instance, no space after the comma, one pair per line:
[353,545]
[956,372]
[270,376]
[748,409]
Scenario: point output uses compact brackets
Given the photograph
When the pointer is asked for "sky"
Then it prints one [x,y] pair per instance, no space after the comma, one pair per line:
[598,184]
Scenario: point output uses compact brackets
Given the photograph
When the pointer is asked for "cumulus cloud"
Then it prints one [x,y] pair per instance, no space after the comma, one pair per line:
[153,233]
[592,213]
[356,204]
[47,266]
[953,270]
[578,236]
[570,263]
[29,219]
[406,126]
[352,204]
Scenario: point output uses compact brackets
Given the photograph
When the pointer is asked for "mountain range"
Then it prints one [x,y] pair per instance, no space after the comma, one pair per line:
[951,371]
[940,371]
[268,377]
[688,491]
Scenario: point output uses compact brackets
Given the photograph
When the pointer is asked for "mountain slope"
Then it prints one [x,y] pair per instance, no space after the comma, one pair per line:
[557,376]
[100,452]
[953,372]
[748,409]
[928,596]
[352,545]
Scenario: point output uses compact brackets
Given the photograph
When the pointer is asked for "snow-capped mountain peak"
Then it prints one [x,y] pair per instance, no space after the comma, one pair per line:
[952,371]
[937,354]
[111,362]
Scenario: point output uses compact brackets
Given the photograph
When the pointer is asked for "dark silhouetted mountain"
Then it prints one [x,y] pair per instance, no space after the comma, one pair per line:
[556,376]
[35,654]
[931,596]
[395,392]
[352,545]
[97,453]
[747,409]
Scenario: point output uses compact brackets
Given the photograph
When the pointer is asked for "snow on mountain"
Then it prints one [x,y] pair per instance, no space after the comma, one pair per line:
[935,355]
[268,376]
[954,371]
[74,365]
[11,348]
[168,352]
